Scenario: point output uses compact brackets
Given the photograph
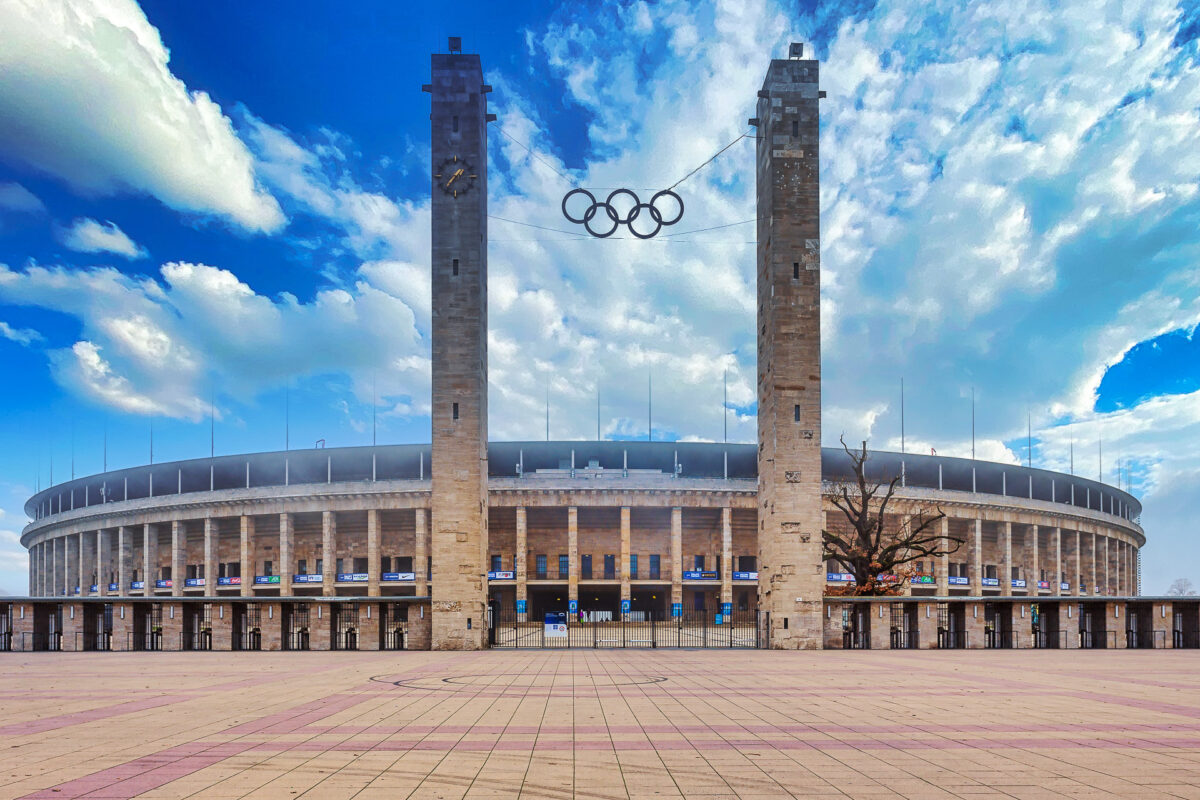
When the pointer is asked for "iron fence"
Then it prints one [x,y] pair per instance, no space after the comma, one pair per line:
[695,629]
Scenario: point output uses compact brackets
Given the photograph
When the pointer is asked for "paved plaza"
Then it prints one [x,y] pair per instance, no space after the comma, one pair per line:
[606,724]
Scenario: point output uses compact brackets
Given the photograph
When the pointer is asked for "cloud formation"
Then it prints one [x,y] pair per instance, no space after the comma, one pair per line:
[24,336]
[15,197]
[86,235]
[88,97]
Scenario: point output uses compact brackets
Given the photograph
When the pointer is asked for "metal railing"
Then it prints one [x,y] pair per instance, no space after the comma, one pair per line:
[856,640]
[200,640]
[952,640]
[1097,640]
[250,640]
[94,642]
[903,640]
[298,640]
[1185,640]
[1145,640]
[148,641]
[41,642]
[394,639]
[691,630]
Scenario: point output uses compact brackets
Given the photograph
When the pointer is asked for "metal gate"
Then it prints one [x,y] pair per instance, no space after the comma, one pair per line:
[153,630]
[393,625]
[951,627]
[904,629]
[200,635]
[297,634]
[5,628]
[249,617]
[856,626]
[345,626]
[696,629]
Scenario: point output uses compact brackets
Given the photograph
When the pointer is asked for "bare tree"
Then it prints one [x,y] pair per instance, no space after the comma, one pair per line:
[872,548]
[1181,587]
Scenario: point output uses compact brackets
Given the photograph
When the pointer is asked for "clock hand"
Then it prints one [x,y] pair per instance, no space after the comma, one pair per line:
[455,176]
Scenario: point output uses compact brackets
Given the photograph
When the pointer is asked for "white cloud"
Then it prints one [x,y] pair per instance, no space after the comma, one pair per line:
[88,97]
[24,336]
[89,236]
[15,197]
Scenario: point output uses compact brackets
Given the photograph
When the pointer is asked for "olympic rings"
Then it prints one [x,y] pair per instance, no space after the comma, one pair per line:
[628,218]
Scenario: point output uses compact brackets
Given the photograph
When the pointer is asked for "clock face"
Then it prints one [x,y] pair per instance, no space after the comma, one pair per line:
[455,176]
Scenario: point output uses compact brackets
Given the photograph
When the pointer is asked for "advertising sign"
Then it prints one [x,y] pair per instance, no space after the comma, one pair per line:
[520,606]
[307,578]
[555,625]
[137,584]
[700,575]
[927,580]
[717,619]
[1018,583]
[266,579]
[397,577]
[193,581]
[727,609]
[157,585]
[94,588]
[839,577]
[112,587]
[745,576]
[229,581]
[959,580]
[352,577]
[501,575]
[991,581]
[1043,584]
[676,609]
[1064,586]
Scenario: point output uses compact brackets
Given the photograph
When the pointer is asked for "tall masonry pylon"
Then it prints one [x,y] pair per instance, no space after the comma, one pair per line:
[459,535]
[791,581]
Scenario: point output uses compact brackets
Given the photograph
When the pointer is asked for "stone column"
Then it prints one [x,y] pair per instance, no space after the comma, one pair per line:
[1056,584]
[1031,581]
[420,567]
[676,556]
[103,559]
[247,568]
[1117,565]
[328,554]
[287,558]
[1094,581]
[211,540]
[124,560]
[1162,623]
[726,556]
[373,552]
[1077,558]
[70,565]
[927,626]
[974,626]
[977,560]
[85,575]
[573,553]
[1006,566]
[149,559]
[178,557]
[519,563]
[943,567]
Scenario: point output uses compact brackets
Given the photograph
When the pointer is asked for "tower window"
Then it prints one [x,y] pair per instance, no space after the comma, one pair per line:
[456,123]
[456,411]
[795,128]
[454,266]
[795,270]
[797,412]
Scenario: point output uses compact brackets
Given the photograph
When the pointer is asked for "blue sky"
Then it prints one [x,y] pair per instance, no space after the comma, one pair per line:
[218,205]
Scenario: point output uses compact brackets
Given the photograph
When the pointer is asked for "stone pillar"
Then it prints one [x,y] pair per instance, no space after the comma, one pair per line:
[72,627]
[1031,581]
[1107,578]
[373,555]
[1056,584]
[626,552]
[368,626]
[573,553]
[328,557]
[287,557]
[676,556]
[123,621]
[974,626]
[103,559]
[87,563]
[927,626]
[211,541]
[1006,565]
[70,564]
[943,566]
[520,567]
[222,622]
[1093,581]
[124,560]
[977,560]
[1116,624]
[1022,625]
[172,621]
[1162,623]
[420,557]
[320,620]
[149,559]
[271,619]
[178,557]
[726,556]
[1077,559]
[881,623]
[1117,566]
[247,554]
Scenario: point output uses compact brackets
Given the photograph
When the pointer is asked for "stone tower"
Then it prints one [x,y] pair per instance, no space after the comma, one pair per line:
[458,126]
[791,579]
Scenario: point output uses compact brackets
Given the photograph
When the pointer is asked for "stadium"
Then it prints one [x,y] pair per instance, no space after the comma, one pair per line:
[464,543]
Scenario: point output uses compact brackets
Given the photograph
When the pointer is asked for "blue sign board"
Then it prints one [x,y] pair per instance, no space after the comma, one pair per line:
[624,606]
[676,609]
[520,606]
[1018,583]
[959,580]
[76,590]
[352,577]
[396,577]
[500,575]
[573,606]
[94,588]
[745,576]
[717,619]
[266,579]
[727,609]
[307,578]
[1064,586]
[700,575]
[237,581]
[839,577]
[137,584]
[193,581]
[112,587]
[991,581]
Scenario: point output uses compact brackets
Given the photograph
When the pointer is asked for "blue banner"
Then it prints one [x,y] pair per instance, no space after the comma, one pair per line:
[573,606]
[396,577]
[112,587]
[717,619]
[137,584]
[676,609]
[94,588]
[745,576]
[193,581]
[991,581]
[229,581]
[727,609]
[501,575]
[1018,583]
[266,579]
[839,577]
[624,606]
[700,575]
[959,580]
[1064,586]
[307,578]
[520,606]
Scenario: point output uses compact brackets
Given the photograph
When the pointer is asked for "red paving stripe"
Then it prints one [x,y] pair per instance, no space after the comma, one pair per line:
[91,715]
[143,774]
[297,717]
